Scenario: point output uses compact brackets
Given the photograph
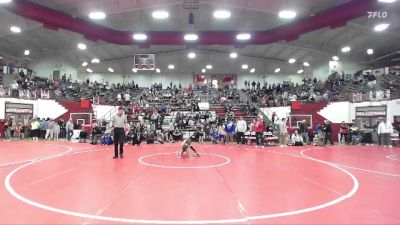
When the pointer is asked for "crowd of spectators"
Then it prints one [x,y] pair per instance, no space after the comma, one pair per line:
[30,86]
[167,114]
[46,129]
[282,94]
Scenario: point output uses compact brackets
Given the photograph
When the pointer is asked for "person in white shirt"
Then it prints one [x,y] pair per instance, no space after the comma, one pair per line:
[119,98]
[50,129]
[297,139]
[14,89]
[385,129]
[127,99]
[241,128]
[281,126]
[70,129]
[56,131]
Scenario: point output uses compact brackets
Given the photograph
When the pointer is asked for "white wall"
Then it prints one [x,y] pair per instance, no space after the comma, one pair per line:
[45,67]
[49,109]
[337,112]
[270,78]
[288,72]
[144,80]
[348,67]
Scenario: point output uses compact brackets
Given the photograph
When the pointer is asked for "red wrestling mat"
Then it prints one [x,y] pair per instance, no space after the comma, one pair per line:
[82,184]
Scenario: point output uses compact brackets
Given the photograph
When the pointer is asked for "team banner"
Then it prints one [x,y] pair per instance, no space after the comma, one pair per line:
[204,105]
[19,111]
[379,95]
[216,80]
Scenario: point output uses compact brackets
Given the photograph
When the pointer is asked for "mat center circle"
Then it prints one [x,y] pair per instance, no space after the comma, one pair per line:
[169,160]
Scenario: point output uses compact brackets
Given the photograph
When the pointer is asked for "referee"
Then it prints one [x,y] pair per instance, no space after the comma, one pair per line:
[120,124]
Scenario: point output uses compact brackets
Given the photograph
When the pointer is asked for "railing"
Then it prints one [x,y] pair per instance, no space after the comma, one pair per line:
[108,115]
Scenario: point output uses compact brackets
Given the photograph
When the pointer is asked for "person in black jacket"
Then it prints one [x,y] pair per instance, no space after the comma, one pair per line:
[150,136]
[63,131]
[136,135]
[176,135]
[96,133]
[327,129]
[83,136]
[303,130]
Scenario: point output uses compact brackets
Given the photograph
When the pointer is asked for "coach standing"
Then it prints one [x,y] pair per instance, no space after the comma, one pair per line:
[120,124]
[327,129]
[241,128]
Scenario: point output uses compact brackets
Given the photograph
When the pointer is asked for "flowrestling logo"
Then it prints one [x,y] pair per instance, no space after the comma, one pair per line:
[377,14]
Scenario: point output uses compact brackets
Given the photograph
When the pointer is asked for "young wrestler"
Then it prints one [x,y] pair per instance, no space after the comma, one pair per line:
[185,148]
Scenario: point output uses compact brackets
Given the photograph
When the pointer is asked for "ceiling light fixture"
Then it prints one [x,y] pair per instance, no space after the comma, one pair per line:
[370,51]
[222,14]
[89,70]
[387,1]
[190,37]
[4,1]
[306,64]
[252,70]
[81,46]
[192,55]
[160,14]
[335,58]
[203,70]
[287,14]
[300,71]
[277,70]
[139,37]
[95,60]
[209,67]
[346,49]
[381,27]
[111,70]
[245,66]
[171,66]
[158,70]
[233,55]
[15,29]
[85,64]
[292,60]
[134,70]
[27,52]
[97,15]
[243,36]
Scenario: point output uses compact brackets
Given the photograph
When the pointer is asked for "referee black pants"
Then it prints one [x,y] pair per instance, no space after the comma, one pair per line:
[239,137]
[119,138]
[328,137]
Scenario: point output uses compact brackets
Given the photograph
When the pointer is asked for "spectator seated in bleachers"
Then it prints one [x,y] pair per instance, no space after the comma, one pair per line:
[135,135]
[198,135]
[83,136]
[95,134]
[218,135]
[311,90]
[159,137]
[177,135]
[296,139]
[150,136]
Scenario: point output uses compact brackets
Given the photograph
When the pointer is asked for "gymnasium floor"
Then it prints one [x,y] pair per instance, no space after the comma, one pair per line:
[70,183]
